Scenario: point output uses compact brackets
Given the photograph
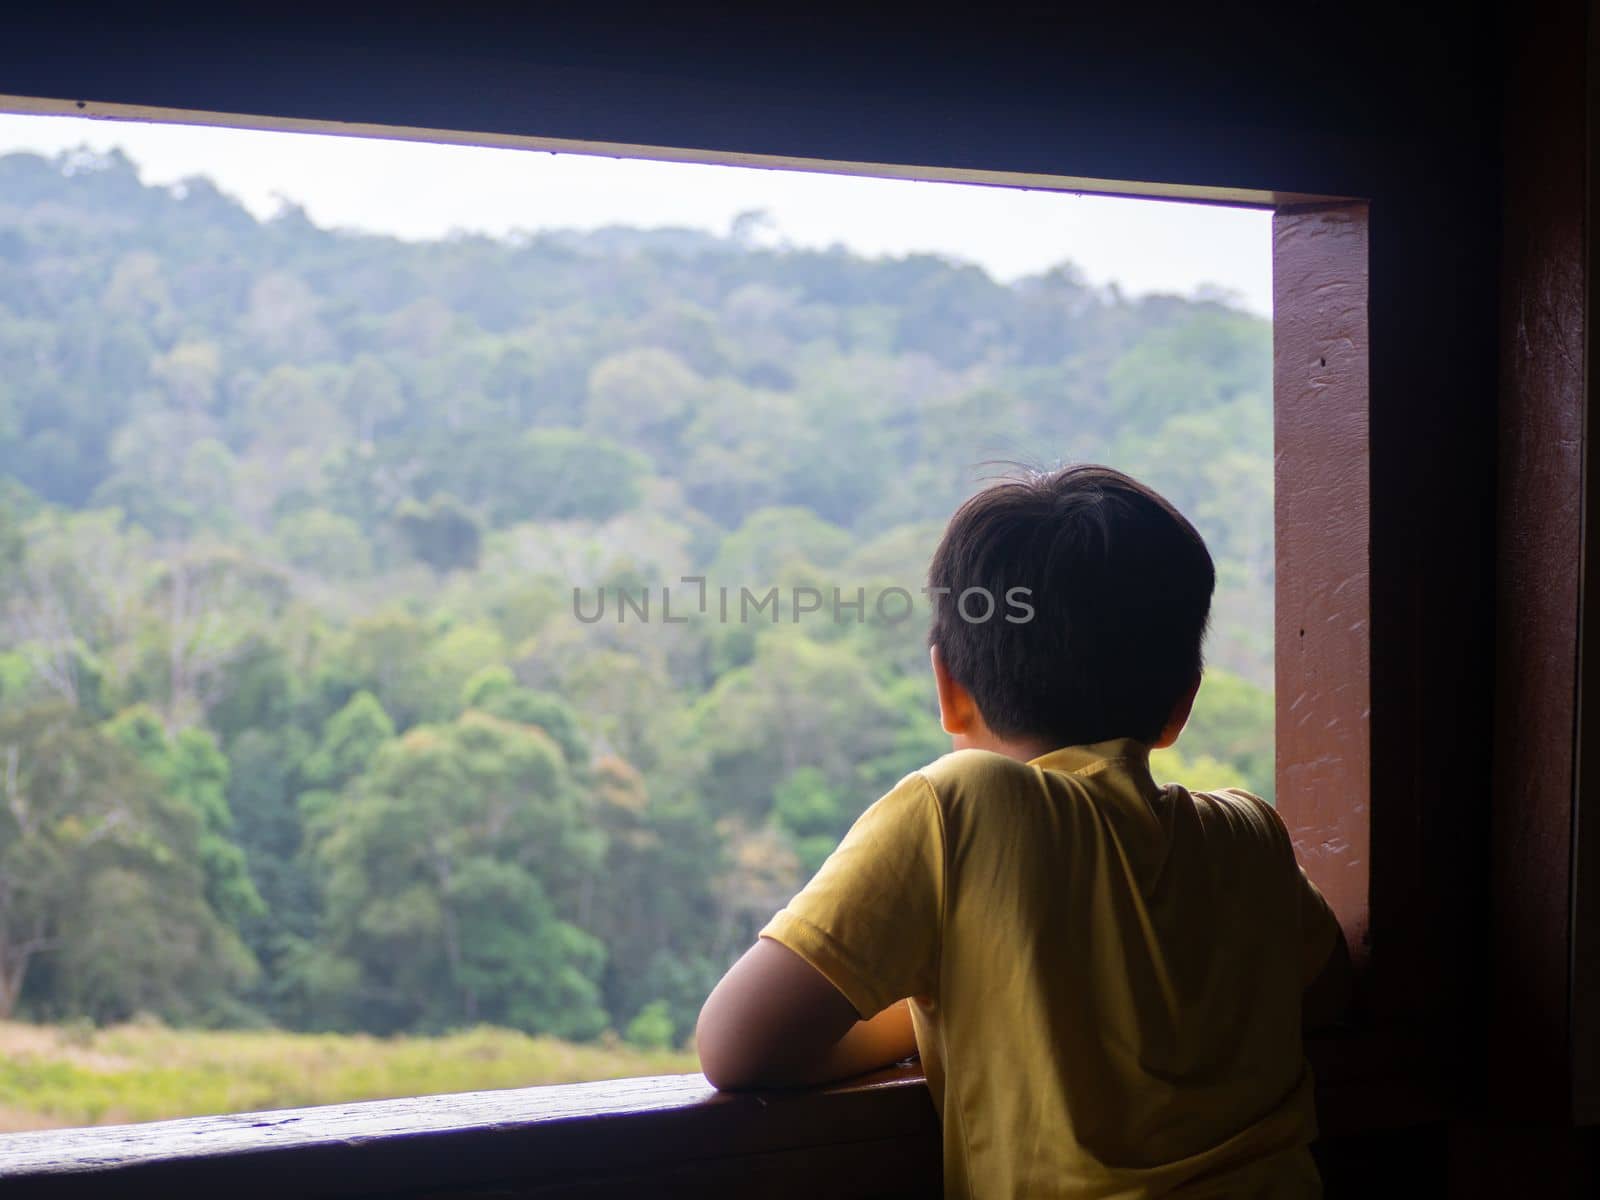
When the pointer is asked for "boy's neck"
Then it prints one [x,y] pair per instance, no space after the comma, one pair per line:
[1021,749]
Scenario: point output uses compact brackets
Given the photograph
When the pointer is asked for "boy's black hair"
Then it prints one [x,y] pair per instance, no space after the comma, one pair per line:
[1120,586]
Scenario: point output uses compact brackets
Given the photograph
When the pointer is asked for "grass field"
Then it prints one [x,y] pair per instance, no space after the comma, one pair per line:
[54,1076]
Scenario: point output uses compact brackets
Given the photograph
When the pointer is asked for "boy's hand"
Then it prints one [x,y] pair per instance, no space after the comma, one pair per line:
[775,1021]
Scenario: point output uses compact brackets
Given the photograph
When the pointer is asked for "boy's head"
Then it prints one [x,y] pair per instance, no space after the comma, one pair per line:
[1119,584]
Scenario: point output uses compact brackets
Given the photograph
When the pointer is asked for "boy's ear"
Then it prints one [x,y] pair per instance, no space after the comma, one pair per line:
[1179,717]
[958,712]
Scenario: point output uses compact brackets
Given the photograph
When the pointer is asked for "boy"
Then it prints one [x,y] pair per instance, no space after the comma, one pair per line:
[1106,978]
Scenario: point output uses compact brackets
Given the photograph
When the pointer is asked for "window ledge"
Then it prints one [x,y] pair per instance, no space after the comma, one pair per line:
[876,1136]
[672,1134]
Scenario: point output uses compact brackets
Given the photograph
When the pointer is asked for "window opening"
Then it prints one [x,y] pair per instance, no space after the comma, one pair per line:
[441,626]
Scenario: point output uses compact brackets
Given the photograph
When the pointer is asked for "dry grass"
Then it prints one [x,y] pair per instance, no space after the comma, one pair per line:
[71,1075]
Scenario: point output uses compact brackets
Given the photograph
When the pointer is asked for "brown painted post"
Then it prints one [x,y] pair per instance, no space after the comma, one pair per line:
[1323,525]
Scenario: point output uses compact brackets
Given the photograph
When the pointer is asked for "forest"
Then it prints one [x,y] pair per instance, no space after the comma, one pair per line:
[303,723]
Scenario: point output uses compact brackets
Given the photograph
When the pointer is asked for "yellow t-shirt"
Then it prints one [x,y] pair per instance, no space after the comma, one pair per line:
[1105,973]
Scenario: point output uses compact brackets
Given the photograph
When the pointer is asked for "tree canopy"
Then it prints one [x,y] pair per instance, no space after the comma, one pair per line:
[302,716]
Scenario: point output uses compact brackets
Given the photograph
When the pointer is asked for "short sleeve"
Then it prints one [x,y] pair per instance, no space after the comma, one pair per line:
[870,919]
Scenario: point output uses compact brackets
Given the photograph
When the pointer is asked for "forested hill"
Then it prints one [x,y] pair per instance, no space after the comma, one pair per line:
[291,520]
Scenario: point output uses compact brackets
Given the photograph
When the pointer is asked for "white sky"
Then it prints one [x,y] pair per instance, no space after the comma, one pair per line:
[416,190]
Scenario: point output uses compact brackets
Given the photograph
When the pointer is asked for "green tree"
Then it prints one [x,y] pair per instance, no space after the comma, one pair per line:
[772,539]
[811,812]
[448,866]
[796,704]
[559,474]
[652,1028]
[643,397]
[103,899]
[1206,358]
[325,543]
[387,654]
[1200,772]
[495,690]
[194,772]
[655,905]
[264,794]
[1232,722]
[372,396]
[350,741]
[443,533]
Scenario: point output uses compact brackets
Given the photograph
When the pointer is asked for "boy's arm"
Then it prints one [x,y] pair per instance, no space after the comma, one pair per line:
[859,938]
[775,1021]
[1326,977]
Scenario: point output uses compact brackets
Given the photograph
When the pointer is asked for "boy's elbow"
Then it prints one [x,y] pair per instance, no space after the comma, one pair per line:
[715,1065]
[727,1066]
[726,1075]
[769,1021]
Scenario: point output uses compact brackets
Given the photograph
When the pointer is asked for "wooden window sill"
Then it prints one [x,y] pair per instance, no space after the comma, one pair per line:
[876,1136]
[872,1137]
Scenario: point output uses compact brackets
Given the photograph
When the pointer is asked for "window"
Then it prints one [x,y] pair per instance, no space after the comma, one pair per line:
[317,645]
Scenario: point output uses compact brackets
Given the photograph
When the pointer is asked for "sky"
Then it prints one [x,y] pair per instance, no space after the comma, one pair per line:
[421,190]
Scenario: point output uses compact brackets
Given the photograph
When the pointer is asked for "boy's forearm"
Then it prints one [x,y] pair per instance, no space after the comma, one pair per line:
[884,1039]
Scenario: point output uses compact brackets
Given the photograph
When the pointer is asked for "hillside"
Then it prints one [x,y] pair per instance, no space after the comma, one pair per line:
[291,520]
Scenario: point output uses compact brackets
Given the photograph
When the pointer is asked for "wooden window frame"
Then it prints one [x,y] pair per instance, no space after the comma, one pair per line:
[1322,483]
[1324,671]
